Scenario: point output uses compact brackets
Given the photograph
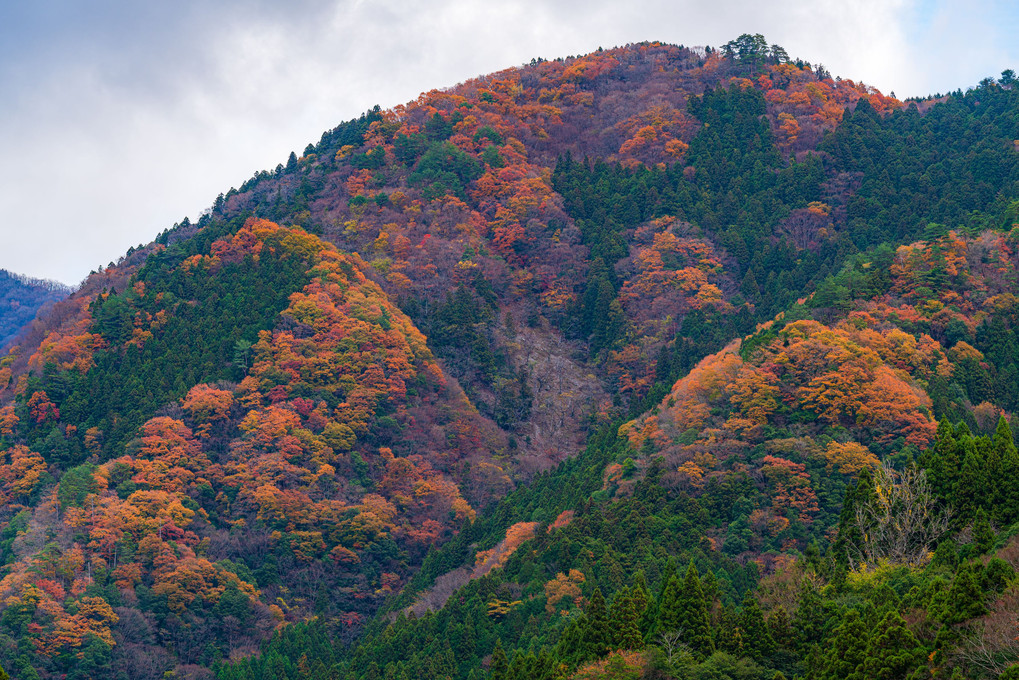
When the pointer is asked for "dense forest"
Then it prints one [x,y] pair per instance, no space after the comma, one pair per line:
[655,362]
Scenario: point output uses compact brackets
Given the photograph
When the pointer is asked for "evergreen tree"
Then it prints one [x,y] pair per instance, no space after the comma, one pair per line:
[669,612]
[498,667]
[983,535]
[709,585]
[811,617]
[1006,498]
[943,461]
[546,665]
[975,484]
[965,598]
[756,638]
[996,575]
[893,653]
[847,649]
[780,627]
[1004,442]
[94,660]
[625,623]
[812,558]
[571,647]
[884,599]
[640,596]
[727,636]
[749,287]
[519,668]
[850,535]
[694,615]
[466,642]
[597,628]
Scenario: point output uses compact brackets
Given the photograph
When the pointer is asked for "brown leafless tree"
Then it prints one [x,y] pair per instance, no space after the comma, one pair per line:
[994,644]
[904,520]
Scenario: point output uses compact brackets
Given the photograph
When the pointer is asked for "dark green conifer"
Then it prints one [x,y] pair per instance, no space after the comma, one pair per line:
[597,628]
[847,649]
[520,668]
[545,668]
[669,617]
[943,461]
[945,433]
[1004,443]
[884,599]
[983,536]
[727,636]
[93,661]
[640,595]
[648,621]
[811,617]
[850,534]
[1006,498]
[571,647]
[757,640]
[965,598]
[996,575]
[780,627]
[668,572]
[813,559]
[946,554]
[711,590]
[748,286]
[625,623]
[893,652]
[694,615]
[498,667]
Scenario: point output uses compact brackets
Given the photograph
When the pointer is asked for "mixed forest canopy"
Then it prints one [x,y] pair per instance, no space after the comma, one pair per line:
[655,362]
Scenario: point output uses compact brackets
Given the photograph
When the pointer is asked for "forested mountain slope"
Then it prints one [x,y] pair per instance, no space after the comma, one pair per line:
[327,452]
[624,193]
[639,350]
[789,506]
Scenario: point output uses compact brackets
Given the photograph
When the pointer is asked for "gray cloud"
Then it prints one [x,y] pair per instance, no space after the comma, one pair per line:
[120,118]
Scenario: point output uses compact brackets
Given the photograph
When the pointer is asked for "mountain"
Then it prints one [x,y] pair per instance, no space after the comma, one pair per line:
[684,363]
[737,479]
[21,298]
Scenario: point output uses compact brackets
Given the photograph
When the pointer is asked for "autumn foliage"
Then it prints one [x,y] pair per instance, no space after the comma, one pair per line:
[269,456]
[245,425]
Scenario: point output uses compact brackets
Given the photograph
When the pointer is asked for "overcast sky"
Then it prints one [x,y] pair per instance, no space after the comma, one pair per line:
[120,117]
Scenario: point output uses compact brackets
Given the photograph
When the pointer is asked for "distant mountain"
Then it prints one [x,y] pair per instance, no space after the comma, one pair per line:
[653,361]
[21,298]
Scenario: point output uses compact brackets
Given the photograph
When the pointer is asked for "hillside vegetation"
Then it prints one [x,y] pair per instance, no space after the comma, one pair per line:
[653,362]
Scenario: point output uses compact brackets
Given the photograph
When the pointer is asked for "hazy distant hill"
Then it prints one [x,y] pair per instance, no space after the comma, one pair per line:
[21,297]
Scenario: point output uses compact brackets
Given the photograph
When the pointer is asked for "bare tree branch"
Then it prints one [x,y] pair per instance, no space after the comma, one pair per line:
[903,521]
